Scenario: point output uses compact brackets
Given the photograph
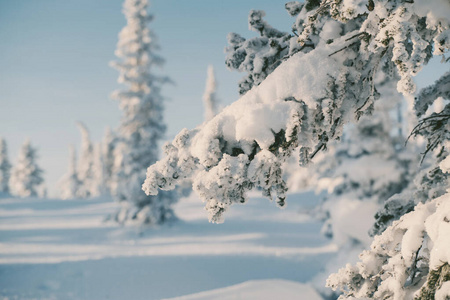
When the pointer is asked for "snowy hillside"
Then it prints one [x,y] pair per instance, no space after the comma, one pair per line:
[53,249]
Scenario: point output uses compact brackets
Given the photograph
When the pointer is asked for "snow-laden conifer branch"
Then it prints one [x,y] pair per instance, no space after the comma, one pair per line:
[436,127]
[314,113]
[235,152]
[427,96]
[397,266]
[399,260]
[330,99]
[406,31]
[303,103]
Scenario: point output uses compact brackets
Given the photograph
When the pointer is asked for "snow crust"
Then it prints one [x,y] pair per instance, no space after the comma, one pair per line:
[258,289]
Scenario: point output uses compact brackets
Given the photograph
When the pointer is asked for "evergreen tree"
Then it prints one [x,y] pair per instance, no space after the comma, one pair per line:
[70,184]
[210,101]
[86,163]
[107,152]
[5,167]
[100,184]
[26,175]
[142,127]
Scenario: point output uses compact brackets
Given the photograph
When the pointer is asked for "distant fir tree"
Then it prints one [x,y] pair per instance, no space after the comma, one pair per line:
[210,101]
[5,167]
[43,193]
[26,175]
[107,147]
[142,127]
[86,163]
[100,184]
[70,183]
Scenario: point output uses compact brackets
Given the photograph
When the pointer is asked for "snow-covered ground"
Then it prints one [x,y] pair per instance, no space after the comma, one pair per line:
[258,289]
[53,249]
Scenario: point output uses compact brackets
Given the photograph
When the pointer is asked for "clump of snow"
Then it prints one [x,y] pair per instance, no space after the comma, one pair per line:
[331,30]
[437,227]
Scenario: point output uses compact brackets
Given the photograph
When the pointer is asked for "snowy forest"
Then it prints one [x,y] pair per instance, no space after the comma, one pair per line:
[225,150]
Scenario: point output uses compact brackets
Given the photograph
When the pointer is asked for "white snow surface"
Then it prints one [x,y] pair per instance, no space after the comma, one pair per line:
[53,249]
[258,289]
[444,291]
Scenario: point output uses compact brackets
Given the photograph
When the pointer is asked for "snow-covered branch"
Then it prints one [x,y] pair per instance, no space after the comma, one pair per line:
[303,103]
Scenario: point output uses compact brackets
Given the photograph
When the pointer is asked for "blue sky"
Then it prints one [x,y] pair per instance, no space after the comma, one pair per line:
[54,66]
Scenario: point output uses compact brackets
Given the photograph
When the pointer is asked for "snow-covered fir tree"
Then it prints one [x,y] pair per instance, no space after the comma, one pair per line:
[92,175]
[142,126]
[328,79]
[26,176]
[107,147]
[100,183]
[70,184]
[43,193]
[5,167]
[210,101]
[86,163]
